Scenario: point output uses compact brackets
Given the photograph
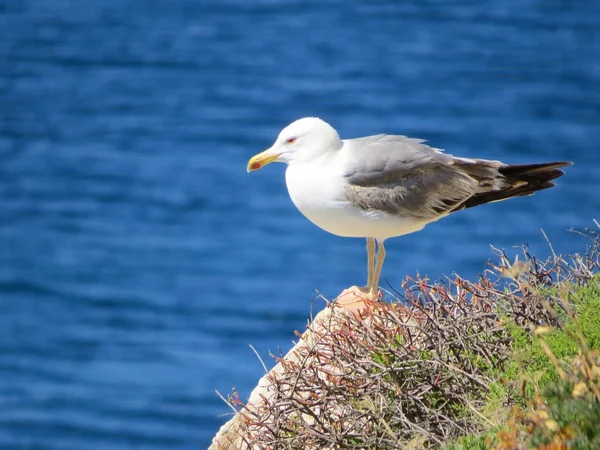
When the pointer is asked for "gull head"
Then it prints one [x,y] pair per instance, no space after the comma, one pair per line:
[301,141]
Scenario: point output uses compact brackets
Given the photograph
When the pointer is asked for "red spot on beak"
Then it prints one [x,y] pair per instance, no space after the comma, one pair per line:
[255,166]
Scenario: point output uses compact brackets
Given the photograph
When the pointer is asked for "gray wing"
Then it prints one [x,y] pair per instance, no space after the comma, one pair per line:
[406,178]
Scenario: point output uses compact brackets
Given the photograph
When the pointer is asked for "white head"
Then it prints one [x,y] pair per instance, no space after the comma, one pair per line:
[303,140]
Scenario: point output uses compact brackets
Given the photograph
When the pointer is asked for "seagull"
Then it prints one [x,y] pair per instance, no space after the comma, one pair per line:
[383,186]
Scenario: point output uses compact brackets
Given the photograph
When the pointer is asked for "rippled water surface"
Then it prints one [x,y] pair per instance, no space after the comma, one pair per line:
[138,260]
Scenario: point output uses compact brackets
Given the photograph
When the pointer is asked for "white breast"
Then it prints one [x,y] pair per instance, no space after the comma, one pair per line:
[317,188]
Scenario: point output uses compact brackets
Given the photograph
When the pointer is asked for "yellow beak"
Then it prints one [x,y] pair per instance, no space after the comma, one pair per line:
[262,159]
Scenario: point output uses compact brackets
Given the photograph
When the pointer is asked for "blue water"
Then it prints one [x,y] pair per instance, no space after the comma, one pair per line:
[138,260]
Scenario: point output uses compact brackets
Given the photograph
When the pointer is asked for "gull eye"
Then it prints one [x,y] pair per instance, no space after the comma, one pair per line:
[291,140]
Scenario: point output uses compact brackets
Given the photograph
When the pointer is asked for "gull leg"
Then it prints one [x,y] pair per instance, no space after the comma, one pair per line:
[375,281]
[362,292]
[370,262]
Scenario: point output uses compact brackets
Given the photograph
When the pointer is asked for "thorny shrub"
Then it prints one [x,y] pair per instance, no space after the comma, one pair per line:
[417,372]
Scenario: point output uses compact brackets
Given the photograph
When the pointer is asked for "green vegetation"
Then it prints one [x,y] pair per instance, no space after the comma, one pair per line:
[558,371]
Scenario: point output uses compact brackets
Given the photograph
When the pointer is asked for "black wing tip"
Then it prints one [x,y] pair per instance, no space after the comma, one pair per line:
[536,177]
[542,171]
[563,163]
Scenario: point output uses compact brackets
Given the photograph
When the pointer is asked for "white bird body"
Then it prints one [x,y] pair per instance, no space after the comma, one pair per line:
[318,191]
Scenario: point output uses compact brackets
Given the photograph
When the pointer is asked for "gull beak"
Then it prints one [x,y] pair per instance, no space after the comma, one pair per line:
[262,159]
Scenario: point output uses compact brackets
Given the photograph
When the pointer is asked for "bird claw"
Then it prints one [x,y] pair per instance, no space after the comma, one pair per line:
[358,293]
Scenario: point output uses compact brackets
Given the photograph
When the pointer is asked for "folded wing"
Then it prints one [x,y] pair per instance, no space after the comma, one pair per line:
[407,178]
